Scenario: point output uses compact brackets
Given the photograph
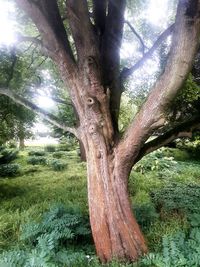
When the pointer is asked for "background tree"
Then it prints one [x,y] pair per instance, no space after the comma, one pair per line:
[83,39]
[16,121]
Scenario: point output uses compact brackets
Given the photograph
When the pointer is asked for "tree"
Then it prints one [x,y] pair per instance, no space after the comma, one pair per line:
[83,38]
[16,122]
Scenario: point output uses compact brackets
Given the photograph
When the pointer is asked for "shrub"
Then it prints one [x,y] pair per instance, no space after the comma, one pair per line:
[178,197]
[58,165]
[155,161]
[50,148]
[37,258]
[181,249]
[9,170]
[36,153]
[192,147]
[63,147]
[37,160]
[51,242]
[145,214]
[7,155]
[12,144]
[58,154]
[60,225]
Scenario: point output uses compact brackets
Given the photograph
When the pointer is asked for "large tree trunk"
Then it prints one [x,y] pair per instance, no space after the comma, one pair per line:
[115,231]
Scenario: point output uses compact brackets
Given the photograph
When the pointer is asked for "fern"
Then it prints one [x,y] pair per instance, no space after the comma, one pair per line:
[58,226]
[49,243]
[178,250]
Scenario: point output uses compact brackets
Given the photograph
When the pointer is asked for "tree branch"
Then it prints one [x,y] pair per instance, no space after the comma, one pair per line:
[110,55]
[99,8]
[81,28]
[31,39]
[137,35]
[185,42]
[31,106]
[182,130]
[126,72]
[45,14]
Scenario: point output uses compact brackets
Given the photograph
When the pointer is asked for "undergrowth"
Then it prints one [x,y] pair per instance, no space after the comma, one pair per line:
[164,190]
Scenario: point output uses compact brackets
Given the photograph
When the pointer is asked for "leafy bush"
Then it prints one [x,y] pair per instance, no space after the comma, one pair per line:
[61,225]
[12,144]
[9,169]
[36,153]
[50,148]
[51,242]
[37,160]
[192,147]
[145,214]
[64,147]
[155,161]
[58,165]
[58,154]
[7,155]
[178,197]
[37,258]
[181,249]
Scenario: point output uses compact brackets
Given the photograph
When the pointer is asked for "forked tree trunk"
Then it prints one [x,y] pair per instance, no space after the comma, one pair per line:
[115,231]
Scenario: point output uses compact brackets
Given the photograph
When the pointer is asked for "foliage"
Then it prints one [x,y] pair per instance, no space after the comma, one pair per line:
[188,95]
[50,148]
[49,241]
[60,225]
[180,249]
[124,116]
[30,194]
[36,153]
[178,197]
[9,169]
[58,165]
[37,160]
[58,154]
[155,161]
[7,155]
[192,147]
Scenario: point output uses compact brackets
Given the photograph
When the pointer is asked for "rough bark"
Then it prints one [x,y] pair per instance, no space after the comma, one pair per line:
[114,228]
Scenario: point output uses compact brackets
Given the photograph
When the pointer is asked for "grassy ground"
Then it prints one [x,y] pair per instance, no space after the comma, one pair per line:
[37,188]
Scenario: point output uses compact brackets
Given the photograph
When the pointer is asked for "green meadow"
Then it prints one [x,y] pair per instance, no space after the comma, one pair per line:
[50,194]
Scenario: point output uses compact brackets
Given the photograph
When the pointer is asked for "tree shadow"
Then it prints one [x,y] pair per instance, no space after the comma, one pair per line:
[10,191]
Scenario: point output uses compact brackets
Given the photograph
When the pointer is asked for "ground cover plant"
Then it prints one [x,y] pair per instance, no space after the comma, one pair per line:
[44,213]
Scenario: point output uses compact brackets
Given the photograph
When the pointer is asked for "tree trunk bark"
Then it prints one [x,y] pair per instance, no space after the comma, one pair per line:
[115,231]
[82,151]
[21,143]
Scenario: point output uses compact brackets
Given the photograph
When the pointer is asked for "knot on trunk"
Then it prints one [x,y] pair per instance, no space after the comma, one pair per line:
[90,101]
[92,129]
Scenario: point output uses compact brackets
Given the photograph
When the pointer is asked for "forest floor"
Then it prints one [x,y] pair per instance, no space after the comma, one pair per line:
[164,189]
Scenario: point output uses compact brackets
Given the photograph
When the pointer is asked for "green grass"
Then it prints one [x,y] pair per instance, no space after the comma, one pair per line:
[37,188]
